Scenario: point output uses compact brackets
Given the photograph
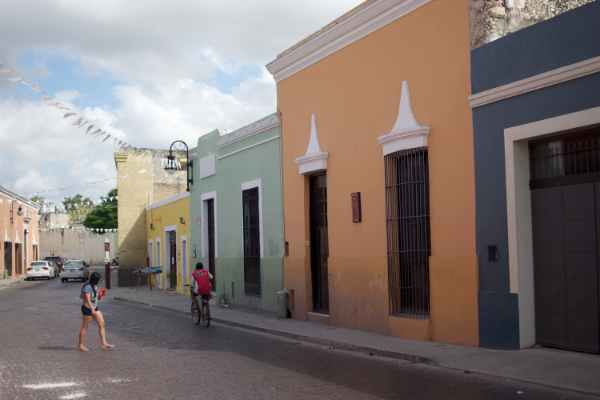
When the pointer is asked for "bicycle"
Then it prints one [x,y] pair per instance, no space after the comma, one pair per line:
[200,314]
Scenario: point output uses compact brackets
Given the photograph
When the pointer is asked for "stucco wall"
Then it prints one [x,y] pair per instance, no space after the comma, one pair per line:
[355,94]
[78,244]
[568,38]
[168,216]
[13,231]
[255,157]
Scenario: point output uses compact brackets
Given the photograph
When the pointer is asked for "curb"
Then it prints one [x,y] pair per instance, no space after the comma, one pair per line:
[323,342]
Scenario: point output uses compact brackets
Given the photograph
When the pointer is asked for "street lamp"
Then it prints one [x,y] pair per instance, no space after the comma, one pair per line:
[172,163]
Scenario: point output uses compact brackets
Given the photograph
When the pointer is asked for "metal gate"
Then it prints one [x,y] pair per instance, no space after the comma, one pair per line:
[319,243]
[251,227]
[565,202]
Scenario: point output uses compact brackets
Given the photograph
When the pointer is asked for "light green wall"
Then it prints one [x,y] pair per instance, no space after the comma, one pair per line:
[253,156]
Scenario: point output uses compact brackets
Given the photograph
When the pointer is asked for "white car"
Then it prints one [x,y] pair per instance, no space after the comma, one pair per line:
[76,270]
[40,270]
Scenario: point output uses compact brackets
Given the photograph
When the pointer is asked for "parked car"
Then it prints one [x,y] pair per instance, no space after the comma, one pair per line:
[75,270]
[59,261]
[40,270]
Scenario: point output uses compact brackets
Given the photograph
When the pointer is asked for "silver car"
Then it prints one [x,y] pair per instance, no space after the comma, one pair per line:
[74,270]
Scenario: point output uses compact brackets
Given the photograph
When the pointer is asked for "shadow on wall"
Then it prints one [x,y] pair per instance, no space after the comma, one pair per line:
[133,251]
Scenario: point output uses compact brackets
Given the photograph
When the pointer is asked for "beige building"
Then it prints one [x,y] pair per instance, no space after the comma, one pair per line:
[19,234]
[141,181]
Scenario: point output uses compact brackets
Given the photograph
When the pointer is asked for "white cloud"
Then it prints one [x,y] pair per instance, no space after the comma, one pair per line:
[165,56]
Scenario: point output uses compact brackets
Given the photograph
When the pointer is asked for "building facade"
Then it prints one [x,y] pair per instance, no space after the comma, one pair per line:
[141,181]
[378,172]
[77,243]
[536,113]
[19,234]
[237,213]
[168,241]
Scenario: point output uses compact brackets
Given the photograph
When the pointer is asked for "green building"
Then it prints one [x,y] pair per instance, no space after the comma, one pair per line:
[237,212]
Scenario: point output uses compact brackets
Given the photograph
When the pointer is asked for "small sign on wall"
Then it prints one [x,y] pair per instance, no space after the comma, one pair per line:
[356,208]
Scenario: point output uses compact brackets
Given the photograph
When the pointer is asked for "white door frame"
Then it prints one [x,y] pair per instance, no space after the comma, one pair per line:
[518,203]
[204,197]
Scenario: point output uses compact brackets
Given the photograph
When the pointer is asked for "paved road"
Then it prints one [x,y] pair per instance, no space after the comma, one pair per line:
[161,355]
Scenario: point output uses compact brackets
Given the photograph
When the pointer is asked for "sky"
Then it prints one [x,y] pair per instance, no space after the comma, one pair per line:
[148,71]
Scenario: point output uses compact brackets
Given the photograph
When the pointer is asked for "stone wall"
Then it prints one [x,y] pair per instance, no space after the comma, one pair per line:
[492,19]
[77,244]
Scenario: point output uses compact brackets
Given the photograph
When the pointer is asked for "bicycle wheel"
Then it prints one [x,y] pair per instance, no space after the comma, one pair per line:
[195,312]
[205,315]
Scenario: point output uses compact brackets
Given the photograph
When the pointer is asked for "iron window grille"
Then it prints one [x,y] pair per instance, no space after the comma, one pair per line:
[408,232]
[565,160]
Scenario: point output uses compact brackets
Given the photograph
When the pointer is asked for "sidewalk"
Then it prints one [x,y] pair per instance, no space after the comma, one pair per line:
[553,368]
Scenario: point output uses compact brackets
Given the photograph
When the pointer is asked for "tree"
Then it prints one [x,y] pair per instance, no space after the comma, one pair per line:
[38,199]
[78,207]
[104,215]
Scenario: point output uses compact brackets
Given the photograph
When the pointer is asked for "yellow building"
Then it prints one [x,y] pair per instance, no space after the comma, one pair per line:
[168,238]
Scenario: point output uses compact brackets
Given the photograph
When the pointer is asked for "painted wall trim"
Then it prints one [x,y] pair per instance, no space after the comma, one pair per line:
[171,228]
[247,147]
[536,82]
[315,159]
[407,133]
[345,30]
[203,197]
[256,183]
[262,125]
[168,200]
[518,203]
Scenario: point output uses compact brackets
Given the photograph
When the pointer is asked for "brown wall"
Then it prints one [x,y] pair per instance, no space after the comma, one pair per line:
[14,232]
[355,94]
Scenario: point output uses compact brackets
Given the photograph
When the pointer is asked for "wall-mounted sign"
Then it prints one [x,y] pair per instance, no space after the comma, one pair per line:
[356,208]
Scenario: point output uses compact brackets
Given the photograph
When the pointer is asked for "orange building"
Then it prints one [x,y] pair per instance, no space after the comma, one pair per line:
[378,171]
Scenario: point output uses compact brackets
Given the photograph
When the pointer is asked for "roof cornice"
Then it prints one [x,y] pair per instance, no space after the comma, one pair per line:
[12,195]
[349,28]
[262,125]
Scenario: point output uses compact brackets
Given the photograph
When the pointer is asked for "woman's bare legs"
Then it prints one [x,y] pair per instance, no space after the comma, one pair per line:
[85,322]
[102,330]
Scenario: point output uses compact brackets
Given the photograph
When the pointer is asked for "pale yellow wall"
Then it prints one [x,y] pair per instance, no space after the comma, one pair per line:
[159,218]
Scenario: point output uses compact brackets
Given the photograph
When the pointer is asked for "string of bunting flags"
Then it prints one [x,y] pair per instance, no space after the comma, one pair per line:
[90,128]
[94,230]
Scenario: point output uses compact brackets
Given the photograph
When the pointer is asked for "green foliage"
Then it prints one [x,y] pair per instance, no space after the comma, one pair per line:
[103,215]
[78,207]
[38,199]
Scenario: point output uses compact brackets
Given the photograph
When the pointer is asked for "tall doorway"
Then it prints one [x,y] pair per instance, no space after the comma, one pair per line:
[319,243]
[210,237]
[565,204]
[8,258]
[172,246]
[251,241]
[18,259]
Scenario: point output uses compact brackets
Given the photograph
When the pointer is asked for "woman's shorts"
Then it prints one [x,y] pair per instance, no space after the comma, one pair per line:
[86,311]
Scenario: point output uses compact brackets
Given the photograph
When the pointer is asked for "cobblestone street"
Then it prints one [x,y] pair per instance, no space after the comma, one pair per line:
[162,355]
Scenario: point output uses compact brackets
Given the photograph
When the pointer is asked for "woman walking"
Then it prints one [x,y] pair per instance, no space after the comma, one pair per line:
[90,294]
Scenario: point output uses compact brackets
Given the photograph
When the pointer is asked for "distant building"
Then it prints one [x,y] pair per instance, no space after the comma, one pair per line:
[19,233]
[141,181]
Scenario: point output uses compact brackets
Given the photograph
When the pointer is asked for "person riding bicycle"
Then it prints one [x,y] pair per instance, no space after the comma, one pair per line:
[202,282]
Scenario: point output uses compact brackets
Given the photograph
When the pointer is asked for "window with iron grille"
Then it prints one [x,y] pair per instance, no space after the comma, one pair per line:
[408,231]
[250,200]
[565,160]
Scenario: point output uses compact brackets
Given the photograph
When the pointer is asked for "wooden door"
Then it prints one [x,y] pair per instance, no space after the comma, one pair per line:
[319,243]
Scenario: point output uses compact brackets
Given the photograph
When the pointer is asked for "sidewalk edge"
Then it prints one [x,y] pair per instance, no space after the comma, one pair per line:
[309,339]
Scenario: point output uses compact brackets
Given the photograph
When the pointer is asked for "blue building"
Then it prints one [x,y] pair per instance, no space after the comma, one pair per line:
[536,115]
